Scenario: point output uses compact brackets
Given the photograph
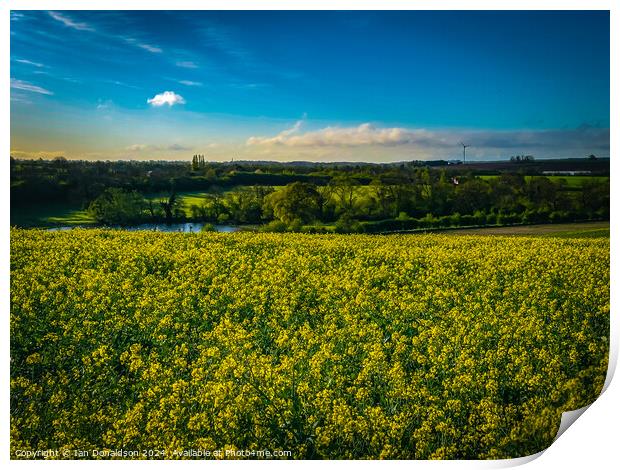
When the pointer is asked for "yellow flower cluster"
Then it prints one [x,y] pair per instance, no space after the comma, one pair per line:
[330,346]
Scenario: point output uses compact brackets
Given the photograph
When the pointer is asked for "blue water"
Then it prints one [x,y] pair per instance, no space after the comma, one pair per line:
[186,227]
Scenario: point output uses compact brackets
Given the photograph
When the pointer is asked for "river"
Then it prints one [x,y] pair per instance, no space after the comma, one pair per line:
[187,227]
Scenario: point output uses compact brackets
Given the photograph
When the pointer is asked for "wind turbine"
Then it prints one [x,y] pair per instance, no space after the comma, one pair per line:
[464,147]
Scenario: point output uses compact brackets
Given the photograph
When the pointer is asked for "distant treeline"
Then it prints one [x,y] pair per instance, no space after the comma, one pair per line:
[80,182]
[61,180]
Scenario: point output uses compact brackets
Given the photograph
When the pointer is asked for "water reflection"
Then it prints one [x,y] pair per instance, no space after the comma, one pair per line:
[186,227]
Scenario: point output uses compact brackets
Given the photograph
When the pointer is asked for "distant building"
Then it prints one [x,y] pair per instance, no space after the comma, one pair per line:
[567,173]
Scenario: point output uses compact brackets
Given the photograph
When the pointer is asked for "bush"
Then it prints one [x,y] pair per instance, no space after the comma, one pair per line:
[508,219]
[346,224]
[559,216]
[295,226]
[491,218]
[314,229]
[428,221]
[480,218]
[343,224]
[443,221]
[529,217]
[467,220]
[274,226]
[455,219]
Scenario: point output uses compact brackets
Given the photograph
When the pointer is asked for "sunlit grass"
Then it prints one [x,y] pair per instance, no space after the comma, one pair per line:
[572,182]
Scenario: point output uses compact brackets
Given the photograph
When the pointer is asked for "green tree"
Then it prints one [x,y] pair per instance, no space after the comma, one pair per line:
[472,195]
[245,205]
[171,207]
[297,201]
[116,206]
[344,188]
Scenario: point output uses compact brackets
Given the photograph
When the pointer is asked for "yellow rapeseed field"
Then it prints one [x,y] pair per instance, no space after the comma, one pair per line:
[327,346]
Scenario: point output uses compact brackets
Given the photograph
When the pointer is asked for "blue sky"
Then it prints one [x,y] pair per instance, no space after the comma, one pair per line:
[314,85]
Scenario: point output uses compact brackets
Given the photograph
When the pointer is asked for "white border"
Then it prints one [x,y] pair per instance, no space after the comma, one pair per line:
[590,443]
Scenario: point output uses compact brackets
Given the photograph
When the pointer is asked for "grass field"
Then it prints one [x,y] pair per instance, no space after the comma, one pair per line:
[327,346]
[49,215]
[186,198]
[571,182]
[572,230]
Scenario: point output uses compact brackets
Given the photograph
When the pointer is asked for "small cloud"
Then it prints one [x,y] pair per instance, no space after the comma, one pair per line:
[69,22]
[249,86]
[167,97]
[29,62]
[146,47]
[150,48]
[137,147]
[19,98]
[70,79]
[597,124]
[189,83]
[56,77]
[157,148]
[119,83]
[281,138]
[16,16]
[188,64]
[104,104]
[26,86]
[224,40]
[178,147]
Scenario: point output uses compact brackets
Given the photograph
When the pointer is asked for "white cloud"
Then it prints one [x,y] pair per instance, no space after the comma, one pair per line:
[70,23]
[178,147]
[249,86]
[141,45]
[19,98]
[150,48]
[29,62]
[123,84]
[137,147]
[158,148]
[438,143]
[26,86]
[224,40]
[167,97]
[189,83]
[364,134]
[104,104]
[67,21]
[188,64]
[281,138]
